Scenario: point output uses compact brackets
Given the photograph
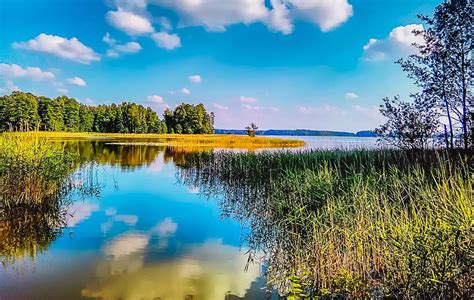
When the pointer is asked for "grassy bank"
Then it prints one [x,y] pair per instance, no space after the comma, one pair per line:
[185,140]
[354,224]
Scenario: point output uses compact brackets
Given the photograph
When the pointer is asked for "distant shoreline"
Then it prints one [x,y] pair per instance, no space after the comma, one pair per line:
[300,132]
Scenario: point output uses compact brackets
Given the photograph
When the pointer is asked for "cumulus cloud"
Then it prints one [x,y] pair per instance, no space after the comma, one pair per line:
[155,99]
[129,22]
[245,99]
[215,16]
[131,5]
[185,91]
[166,40]
[71,49]
[15,71]
[116,49]
[279,18]
[327,14]
[76,81]
[398,43]
[220,106]
[195,79]
[351,96]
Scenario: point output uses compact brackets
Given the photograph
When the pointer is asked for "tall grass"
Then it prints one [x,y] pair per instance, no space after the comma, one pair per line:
[37,179]
[353,224]
[32,170]
[182,140]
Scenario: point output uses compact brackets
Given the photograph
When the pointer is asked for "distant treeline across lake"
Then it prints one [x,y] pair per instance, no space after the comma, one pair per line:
[300,132]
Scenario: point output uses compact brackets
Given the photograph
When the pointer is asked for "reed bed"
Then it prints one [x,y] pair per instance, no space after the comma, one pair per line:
[187,140]
[37,181]
[351,224]
[32,170]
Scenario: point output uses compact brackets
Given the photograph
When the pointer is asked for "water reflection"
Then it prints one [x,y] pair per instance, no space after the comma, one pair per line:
[206,271]
[27,230]
[135,235]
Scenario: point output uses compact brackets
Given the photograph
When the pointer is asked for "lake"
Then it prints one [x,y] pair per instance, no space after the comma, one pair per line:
[142,235]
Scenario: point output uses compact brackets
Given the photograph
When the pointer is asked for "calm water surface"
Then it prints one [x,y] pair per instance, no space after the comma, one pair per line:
[143,236]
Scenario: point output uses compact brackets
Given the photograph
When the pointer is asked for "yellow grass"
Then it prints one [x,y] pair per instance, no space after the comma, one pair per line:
[188,140]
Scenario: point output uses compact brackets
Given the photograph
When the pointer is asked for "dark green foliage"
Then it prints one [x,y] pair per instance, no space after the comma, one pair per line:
[18,110]
[23,111]
[189,119]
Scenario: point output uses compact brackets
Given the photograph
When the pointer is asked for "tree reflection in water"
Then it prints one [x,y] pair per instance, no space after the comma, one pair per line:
[28,229]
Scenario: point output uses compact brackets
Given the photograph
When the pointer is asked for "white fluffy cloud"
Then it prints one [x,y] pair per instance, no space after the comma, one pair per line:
[129,22]
[399,43]
[116,49]
[71,49]
[351,96]
[166,40]
[327,14]
[246,99]
[155,99]
[185,91]
[216,16]
[76,81]
[131,5]
[15,71]
[195,79]
[279,18]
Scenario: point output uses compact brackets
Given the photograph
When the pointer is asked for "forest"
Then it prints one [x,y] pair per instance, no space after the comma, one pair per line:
[23,111]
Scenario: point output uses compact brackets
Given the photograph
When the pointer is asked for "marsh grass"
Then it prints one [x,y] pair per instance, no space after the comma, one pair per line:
[354,224]
[32,170]
[185,140]
[37,181]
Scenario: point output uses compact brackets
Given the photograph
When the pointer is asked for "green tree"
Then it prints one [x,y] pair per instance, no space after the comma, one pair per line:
[443,67]
[86,119]
[71,113]
[51,114]
[19,111]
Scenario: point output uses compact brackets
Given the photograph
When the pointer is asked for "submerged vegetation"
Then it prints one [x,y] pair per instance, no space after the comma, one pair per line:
[350,223]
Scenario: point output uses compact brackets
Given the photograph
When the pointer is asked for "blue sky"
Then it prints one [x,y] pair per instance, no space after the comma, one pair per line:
[317,64]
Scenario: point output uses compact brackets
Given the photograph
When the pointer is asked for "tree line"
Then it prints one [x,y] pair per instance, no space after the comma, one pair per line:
[443,108]
[20,111]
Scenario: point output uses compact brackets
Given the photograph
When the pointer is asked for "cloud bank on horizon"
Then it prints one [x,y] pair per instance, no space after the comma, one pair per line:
[280,63]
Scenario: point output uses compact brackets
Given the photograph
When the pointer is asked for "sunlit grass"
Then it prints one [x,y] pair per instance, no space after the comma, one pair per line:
[185,140]
[32,170]
[354,224]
